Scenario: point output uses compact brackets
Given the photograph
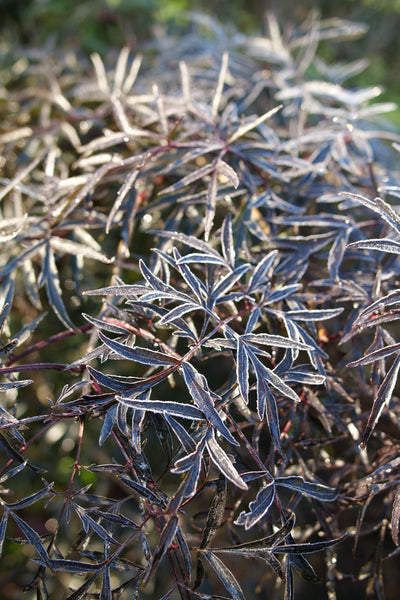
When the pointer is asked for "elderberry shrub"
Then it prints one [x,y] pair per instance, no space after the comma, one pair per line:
[200,287]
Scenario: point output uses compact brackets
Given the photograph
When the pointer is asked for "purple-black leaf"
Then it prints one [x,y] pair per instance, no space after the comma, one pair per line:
[382,245]
[141,355]
[395,522]
[228,248]
[258,508]
[223,463]
[200,392]
[315,490]
[382,399]
[225,575]
[166,539]
[3,527]
[33,539]
[176,409]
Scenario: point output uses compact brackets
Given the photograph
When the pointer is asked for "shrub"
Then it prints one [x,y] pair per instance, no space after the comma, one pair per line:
[200,284]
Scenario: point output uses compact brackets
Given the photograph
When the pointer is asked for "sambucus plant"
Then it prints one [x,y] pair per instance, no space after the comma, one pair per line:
[233,396]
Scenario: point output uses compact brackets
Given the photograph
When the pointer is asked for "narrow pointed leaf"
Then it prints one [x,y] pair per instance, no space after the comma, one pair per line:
[376,355]
[29,500]
[226,576]
[72,566]
[138,354]
[53,288]
[228,248]
[105,592]
[315,490]
[307,548]
[32,538]
[242,369]
[66,246]
[241,131]
[382,245]
[166,539]
[222,462]
[198,388]
[314,315]
[176,409]
[382,398]
[3,527]
[140,489]
[183,436]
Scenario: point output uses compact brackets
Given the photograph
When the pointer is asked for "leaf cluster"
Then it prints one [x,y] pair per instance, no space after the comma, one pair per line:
[209,247]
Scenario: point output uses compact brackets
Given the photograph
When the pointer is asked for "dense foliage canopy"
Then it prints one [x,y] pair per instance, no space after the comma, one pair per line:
[199,294]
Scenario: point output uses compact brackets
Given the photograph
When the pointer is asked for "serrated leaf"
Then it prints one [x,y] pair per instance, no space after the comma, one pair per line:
[199,390]
[281,293]
[141,355]
[11,385]
[31,499]
[259,548]
[178,312]
[197,258]
[260,272]
[307,548]
[226,170]
[225,575]
[108,424]
[228,248]
[315,490]
[6,298]
[50,278]
[72,566]
[191,480]
[379,206]
[189,240]
[228,281]
[117,383]
[242,369]
[263,374]
[258,507]
[382,245]
[382,398]
[278,341]
[190,178]
[314,315]
[99,324]
[140,489]
[10,451]
[33,539]
[21,258]
[302,565]
[222,462]
[89,523]
[375,355]
[176,409]
[193,282]
[183,436]
[11,472]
